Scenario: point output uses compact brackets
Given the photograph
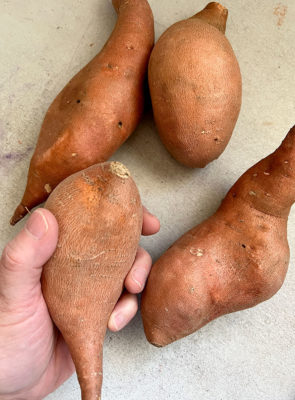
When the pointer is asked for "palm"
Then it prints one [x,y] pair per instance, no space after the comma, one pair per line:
[43,358]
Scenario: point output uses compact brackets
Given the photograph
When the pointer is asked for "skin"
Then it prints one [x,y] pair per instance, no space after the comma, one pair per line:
[232,261]
[34,357]
[99,213]
[97,110]
[195,85]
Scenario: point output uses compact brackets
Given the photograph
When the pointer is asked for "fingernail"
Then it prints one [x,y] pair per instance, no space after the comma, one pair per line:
[139,276]
[37,225]
[119,321]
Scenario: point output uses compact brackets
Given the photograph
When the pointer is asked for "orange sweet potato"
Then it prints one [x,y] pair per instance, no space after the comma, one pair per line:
[99,214]
[234,260]
[97,110]
[195,86]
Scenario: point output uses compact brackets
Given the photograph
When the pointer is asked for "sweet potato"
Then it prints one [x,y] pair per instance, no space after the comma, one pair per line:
[97,110]
[99,214]
[234,260]
[195,86]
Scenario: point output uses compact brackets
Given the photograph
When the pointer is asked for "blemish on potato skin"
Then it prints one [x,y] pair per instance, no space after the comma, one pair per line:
[112,67]
[119,169]
[87,179]
[196,252]
[263,228]
[48,188]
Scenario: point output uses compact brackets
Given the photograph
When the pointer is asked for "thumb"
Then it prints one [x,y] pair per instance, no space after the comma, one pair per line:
[23,257]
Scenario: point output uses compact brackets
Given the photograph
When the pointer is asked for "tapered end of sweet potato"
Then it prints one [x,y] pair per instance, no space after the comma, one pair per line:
[154,321]
[116,4]
[217,7]
[214,14]
[155,336]
[36,192]
[20,212]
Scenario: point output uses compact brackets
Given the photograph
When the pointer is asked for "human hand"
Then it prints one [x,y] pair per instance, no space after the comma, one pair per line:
[34,358]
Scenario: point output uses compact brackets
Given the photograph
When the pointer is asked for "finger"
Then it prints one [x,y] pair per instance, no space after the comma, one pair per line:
[151,224]
[23,257]
[137,276]
[124,311]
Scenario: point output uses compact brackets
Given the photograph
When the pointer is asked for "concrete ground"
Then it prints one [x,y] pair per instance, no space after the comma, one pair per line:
[247,355]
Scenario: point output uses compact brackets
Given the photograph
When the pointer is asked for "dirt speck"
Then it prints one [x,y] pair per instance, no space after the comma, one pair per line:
[280,11]
[267,123]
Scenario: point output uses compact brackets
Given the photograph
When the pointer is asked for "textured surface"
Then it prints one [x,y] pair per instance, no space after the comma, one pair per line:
[246,355]
[83,280]
[97,110]
[195,87]
[227,263]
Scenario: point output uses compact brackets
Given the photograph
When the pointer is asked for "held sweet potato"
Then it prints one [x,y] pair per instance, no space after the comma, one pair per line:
[97,110]
[234,260]
[195,86]
[99,214]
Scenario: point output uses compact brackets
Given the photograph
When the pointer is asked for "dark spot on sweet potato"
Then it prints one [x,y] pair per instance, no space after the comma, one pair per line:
[120,124]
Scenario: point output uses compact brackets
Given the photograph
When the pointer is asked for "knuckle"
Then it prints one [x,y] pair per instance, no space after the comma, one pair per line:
[145,255]
[134,304]
[11,260]
[144,258]
[148,259]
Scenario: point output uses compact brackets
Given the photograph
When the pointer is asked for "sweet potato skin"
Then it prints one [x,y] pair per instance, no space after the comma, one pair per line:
[195,84]
[99,213]
[234,260]
[97,110]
